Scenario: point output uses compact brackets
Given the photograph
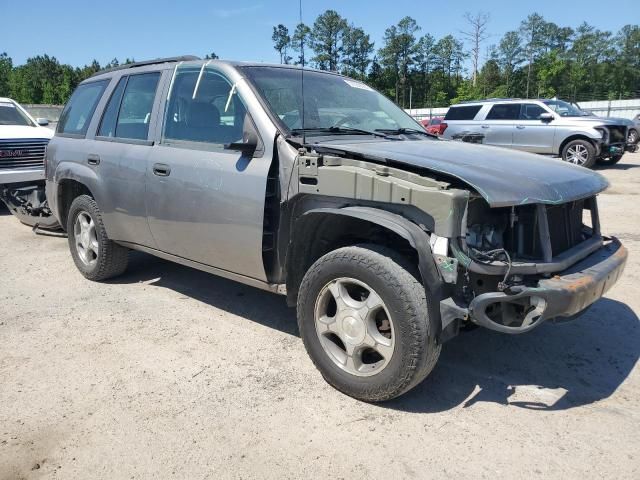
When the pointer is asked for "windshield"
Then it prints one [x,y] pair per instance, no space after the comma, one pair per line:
[330,101]
[564,109]
[10,114]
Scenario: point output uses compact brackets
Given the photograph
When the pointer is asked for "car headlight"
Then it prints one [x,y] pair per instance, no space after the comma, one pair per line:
[604,132]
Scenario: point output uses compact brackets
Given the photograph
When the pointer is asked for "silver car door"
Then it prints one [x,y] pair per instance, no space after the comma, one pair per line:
[532,134]
[204,202]
[119,155]
[499,124]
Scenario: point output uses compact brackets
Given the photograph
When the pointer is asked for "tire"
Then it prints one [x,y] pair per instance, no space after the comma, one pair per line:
[609,161]
[633,136]
[97,257]
[579,152]
[408,341]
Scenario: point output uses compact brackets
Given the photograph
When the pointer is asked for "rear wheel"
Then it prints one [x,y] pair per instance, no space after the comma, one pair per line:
[579,152]
[365,322]
[633,136]
[97,257]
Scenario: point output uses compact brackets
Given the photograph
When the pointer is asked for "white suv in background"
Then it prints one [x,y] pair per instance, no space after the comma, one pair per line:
[548,127]
[22,144]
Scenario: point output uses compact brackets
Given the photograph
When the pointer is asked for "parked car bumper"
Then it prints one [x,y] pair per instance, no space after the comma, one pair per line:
[21,176]
[564,295]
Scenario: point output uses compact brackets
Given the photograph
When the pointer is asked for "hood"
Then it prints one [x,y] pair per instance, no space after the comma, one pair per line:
[503,177]
[14,132]
[595,120]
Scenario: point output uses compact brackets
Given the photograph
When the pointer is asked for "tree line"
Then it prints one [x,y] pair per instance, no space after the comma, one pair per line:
[537,59]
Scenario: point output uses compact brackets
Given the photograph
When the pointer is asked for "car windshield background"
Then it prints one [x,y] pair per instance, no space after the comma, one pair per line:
[563,109]
[10,114]
[203,107]
[76,115]
[329,101]
[504,111]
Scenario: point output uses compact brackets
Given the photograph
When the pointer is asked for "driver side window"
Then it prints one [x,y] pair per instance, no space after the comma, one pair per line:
[203,107]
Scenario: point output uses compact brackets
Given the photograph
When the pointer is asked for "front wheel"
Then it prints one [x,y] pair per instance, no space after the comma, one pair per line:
[365,322]
[633,136]
[579,152]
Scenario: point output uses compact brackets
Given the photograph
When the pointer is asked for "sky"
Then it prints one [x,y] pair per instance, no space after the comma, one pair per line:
[76,32]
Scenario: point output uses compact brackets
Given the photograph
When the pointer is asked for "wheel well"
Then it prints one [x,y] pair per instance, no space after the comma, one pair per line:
[68,191]
[576,137]
[319,234]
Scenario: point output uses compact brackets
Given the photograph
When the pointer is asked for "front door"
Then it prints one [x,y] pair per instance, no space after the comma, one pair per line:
[206,203]
[532,134]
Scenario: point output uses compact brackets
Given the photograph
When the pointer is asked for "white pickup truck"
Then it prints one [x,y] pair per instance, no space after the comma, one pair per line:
[23,144]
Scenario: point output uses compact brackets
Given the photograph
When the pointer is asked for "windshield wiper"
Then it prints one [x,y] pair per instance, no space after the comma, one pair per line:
[340,130]
[402,131]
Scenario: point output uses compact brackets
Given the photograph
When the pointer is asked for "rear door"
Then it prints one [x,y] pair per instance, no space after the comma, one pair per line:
[499,124]
[532,134]
[119,156]
[206,203]
[460,119]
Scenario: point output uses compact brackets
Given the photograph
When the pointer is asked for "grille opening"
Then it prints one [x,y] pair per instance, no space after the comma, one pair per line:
[518,230]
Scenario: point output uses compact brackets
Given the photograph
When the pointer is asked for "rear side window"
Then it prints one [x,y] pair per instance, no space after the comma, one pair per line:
[504,111]
[531,111]
[463,113]
[136,105]
[76,116]
[435,121]
[110,115]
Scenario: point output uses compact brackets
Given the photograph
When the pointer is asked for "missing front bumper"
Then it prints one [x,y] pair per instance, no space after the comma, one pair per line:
[564,295]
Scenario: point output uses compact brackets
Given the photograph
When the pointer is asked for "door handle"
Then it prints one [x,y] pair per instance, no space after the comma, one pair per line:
[161,169]
[485,126]
[520,127]
[93,159]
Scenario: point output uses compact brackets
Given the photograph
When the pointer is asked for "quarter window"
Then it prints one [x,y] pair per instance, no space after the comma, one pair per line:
[462,113]
[504,111]
[77,113]
[531,111]
[203,107]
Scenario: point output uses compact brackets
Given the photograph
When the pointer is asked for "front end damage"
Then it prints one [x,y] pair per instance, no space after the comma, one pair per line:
[28,202]
[525,265]
[515,243]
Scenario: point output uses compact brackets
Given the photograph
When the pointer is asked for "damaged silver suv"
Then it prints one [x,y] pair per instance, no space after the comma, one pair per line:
[312,185]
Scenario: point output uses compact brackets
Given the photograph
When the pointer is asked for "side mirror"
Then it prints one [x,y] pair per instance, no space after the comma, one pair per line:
[248,145]
[43,122]
[546,117]
[251,143]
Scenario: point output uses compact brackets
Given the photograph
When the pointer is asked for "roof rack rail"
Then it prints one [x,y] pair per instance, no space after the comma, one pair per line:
[182,58]
[490,100]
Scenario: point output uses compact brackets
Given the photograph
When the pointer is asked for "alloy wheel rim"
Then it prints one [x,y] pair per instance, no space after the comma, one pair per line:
[84,231]
[577,154]
[354,327]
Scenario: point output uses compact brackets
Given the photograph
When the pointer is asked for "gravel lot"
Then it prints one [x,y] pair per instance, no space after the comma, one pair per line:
[168,372]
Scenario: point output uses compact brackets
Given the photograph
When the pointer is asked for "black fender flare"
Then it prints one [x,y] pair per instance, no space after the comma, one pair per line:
[415,236]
